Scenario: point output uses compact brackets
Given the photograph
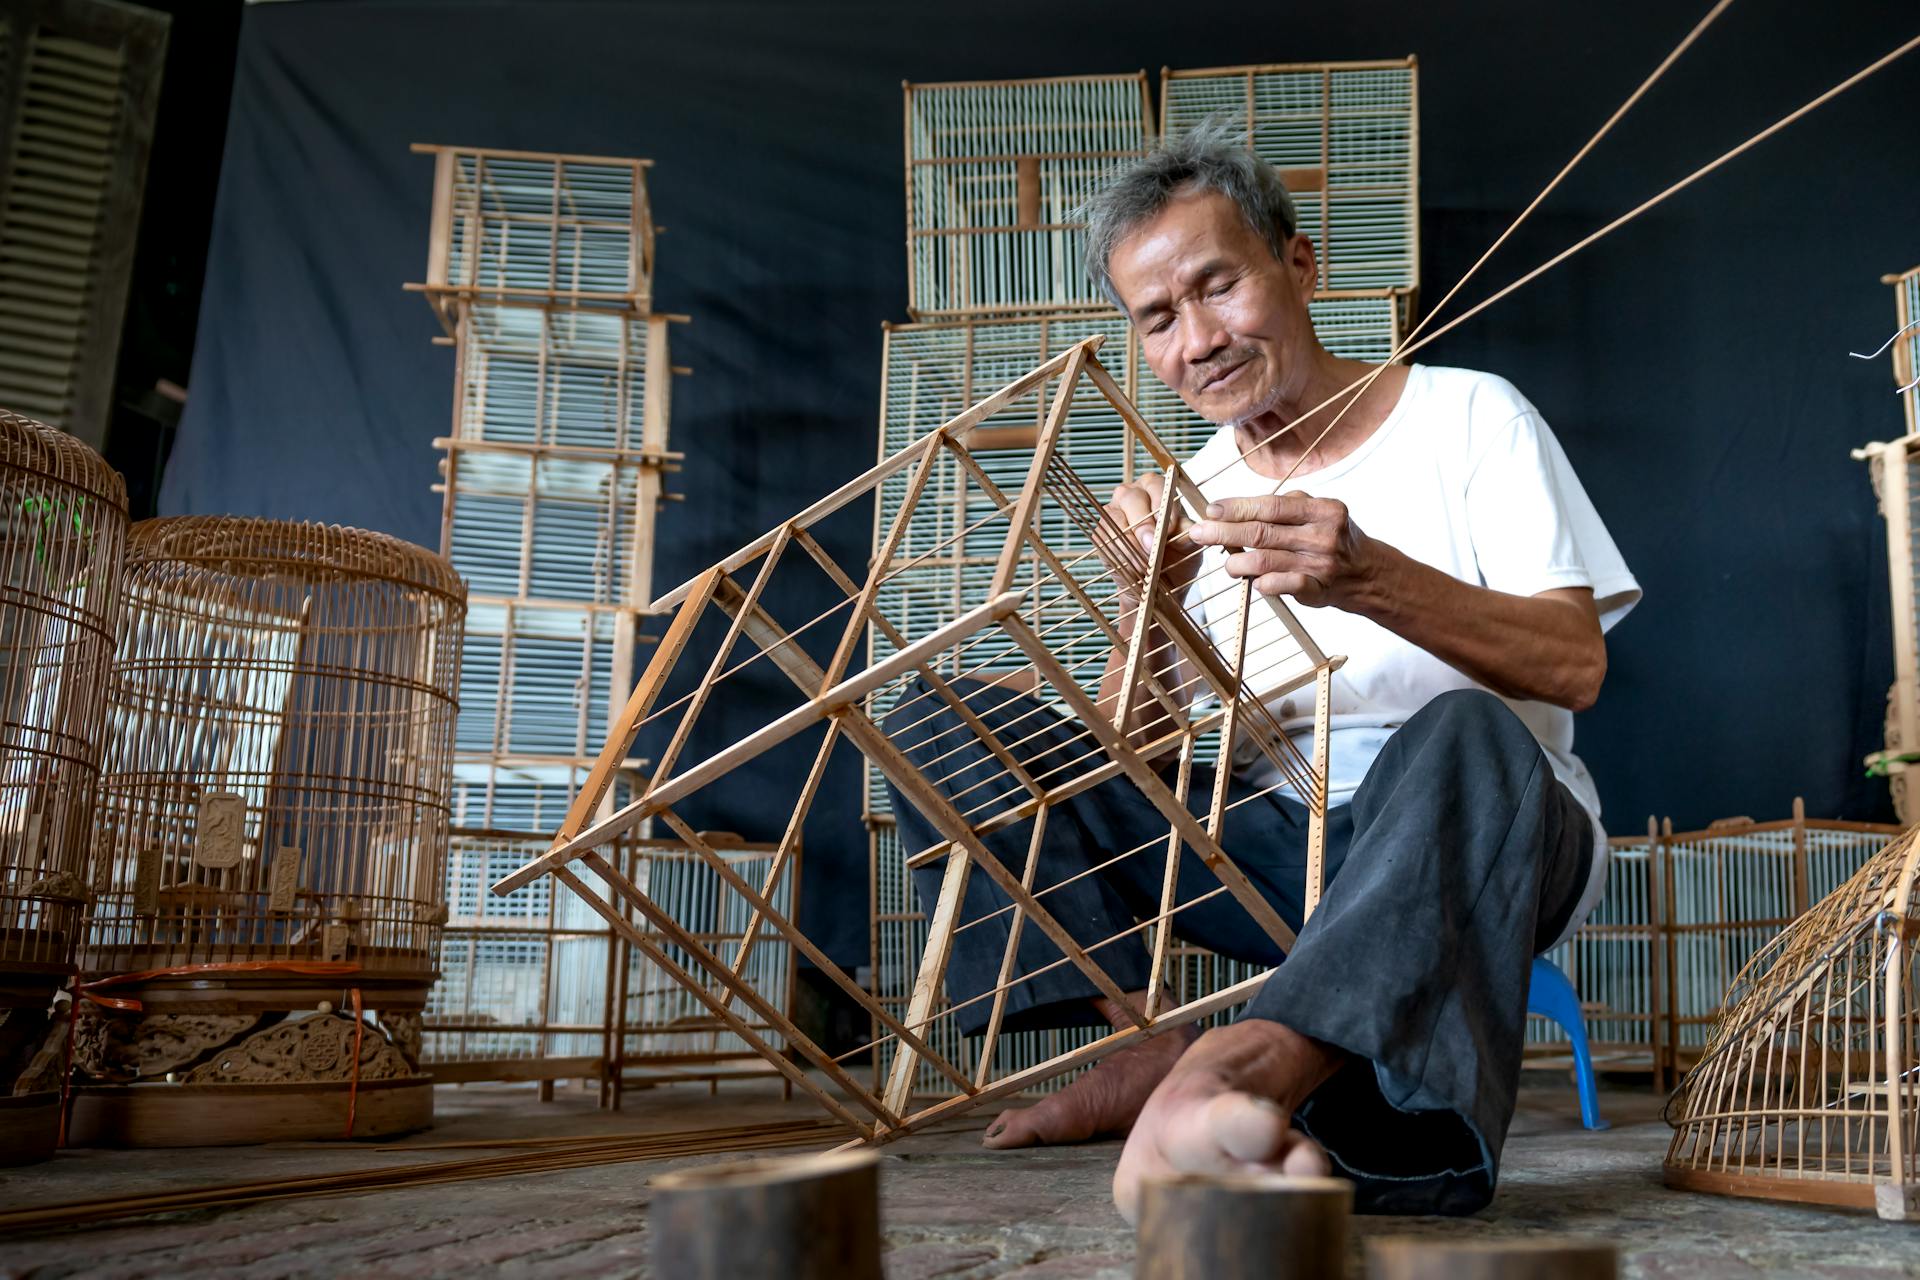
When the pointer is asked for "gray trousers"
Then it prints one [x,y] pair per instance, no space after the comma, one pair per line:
[1459,859]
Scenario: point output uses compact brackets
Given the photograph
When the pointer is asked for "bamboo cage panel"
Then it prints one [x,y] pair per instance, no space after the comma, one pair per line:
[1906,350]
[1345,136]
[63,534]
[502,793]
[1615,962]
[996,173]
[525,979]
[543,525]
[1894,469]
[664,1033]
[574,230]
[563,378]
[1048,600]
[537,679]
[1804,1089]
[280,715]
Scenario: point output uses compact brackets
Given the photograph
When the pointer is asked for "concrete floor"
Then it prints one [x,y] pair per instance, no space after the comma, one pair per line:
[950,1209]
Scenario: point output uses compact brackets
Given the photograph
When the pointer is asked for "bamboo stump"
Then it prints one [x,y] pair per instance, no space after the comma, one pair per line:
[1419,1258]
[1243,1227]
[801,1218]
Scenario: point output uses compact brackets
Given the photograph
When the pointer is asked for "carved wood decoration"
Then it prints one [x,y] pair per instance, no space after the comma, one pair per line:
[1047,627]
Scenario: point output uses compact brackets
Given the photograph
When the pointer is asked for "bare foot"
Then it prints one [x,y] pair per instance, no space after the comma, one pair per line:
[1227,1106]
[1100,1104]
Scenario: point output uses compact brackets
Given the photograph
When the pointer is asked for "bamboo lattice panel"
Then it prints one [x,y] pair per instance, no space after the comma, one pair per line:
[1345,136]
[1615,961]
[1805,1087]
[280,737]
[63,535]
[575,230]
[996,172]
[557,377]
[664,1033]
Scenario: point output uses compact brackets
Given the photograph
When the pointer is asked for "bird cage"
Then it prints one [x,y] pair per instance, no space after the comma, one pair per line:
[997,171]
[1046,602]
[1730,890]
[1894,468]
[272,830]
[1346,139]
[63,534]
[663,1032]
[1805,1088]
[537,227]
[1906,348]
[1616,961]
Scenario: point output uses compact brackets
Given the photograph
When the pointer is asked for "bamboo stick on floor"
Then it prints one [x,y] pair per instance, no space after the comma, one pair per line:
[581,1153]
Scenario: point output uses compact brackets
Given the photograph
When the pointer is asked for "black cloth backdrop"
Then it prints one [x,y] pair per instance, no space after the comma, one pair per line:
[1694,364]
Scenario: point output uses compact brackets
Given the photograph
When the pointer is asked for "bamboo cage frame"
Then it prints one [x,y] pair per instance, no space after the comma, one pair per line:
[63,536]
[1346,139]
[996,171]
[537,227]
[1805,1090]
[1088,595]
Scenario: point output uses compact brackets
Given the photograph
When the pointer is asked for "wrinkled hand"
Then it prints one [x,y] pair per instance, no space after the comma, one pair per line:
[1293,545]
[1134,508]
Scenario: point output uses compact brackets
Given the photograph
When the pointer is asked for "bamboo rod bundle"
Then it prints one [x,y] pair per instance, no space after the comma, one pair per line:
[548,1156]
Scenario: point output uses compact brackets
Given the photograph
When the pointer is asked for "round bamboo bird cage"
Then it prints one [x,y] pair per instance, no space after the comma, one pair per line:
[272,836]
[1809,1086]
[63,535]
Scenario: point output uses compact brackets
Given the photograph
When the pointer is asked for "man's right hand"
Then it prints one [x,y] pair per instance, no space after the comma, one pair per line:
[1134,508]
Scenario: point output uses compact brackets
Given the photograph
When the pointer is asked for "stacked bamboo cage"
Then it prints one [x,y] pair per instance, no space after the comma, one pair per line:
[1894,467]
[540,268]
[270,837]
[996,172]
[1681,914]
[63,532]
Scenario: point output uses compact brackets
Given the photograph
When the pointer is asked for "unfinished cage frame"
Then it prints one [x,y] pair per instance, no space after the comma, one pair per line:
[1906,346]
[1019,635]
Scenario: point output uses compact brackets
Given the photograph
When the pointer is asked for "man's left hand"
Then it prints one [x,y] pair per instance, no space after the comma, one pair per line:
[1294,545]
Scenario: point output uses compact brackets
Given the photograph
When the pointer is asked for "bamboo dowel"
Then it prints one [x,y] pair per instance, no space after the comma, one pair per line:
[1420,1258]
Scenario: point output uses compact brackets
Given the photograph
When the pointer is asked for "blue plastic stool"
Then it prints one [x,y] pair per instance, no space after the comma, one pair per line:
[1551,995]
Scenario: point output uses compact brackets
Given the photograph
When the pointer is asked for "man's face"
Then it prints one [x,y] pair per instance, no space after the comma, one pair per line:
[1221,321]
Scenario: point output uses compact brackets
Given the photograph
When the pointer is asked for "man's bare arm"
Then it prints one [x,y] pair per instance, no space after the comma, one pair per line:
[1546,647]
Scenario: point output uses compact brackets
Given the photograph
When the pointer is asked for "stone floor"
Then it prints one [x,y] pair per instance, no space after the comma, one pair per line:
[950,1209]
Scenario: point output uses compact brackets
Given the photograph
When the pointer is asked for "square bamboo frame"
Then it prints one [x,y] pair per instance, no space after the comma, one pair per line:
[1015,618]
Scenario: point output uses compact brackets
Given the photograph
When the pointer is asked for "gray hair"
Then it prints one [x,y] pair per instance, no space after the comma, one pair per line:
[1211,157]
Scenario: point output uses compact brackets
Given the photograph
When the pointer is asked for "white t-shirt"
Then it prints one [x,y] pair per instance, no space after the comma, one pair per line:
[1465,476]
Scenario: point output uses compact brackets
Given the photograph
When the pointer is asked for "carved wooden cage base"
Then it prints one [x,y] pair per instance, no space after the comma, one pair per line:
[1054,617]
